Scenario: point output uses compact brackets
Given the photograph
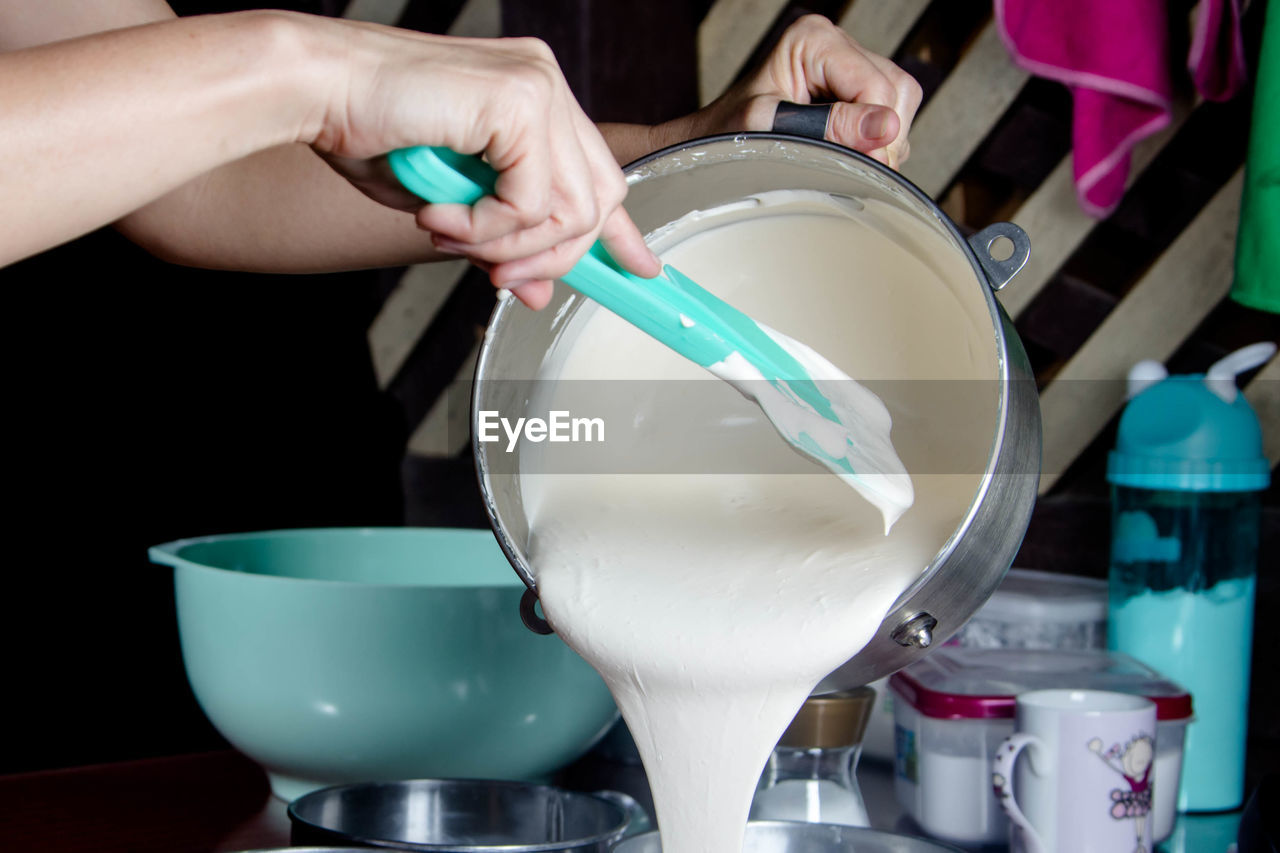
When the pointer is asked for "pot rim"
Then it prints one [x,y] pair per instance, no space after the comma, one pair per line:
[587,842]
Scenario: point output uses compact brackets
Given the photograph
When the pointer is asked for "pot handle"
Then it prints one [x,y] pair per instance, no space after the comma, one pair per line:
[808,120]
[1001,272]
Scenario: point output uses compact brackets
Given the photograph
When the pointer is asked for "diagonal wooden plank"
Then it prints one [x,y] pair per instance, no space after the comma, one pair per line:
[962,111]
[1057,226]
[727,36]
[881,25]
[481,19]
[424,288]
[446,429]
[407,313]
[1153,319]
[1263,393]
[376,11]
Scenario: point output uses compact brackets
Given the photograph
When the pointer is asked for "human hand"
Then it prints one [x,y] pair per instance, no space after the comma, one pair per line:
[875,101]
[558,188]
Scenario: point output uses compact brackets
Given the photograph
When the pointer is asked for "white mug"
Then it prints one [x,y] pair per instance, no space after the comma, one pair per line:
[1084,785]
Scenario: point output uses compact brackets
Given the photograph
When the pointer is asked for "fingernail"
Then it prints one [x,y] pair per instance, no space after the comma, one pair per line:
[874,124]
[517,284]
[657,261]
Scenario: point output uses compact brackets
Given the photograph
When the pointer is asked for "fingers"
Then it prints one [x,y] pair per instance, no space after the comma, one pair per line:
[558,187]
[621,239]
[535,228]
[586,190]
[624,243]
[816,60]
[868,128]
[906,104]
[535,294]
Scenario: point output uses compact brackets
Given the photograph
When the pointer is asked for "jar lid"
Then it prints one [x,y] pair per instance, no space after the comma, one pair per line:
[832,720]
[974,684]
[1026,595]
[1192,433]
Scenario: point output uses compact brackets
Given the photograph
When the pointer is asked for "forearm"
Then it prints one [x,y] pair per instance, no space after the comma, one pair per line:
[100,126]
[630,142]
[283,211]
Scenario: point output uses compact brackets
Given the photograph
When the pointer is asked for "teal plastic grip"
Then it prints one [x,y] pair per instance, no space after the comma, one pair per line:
[671,308]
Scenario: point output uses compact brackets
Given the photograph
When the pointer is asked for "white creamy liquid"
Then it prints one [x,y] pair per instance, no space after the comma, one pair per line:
[713,603]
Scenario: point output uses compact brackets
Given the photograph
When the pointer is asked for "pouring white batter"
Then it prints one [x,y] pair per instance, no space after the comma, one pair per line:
[713,603]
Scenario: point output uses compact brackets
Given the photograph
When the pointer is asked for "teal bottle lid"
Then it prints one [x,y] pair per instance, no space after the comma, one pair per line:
[1191,433]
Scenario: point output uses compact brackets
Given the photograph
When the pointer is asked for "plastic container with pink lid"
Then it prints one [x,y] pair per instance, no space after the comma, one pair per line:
[953,709]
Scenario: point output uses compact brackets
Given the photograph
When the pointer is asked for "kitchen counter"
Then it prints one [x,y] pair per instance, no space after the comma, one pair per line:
[219,801]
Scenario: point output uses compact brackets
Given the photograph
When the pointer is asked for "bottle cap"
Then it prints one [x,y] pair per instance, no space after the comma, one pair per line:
[832,720]
[1192,433]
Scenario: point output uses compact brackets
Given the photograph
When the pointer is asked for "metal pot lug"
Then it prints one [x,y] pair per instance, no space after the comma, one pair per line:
[529,615]
[916,632]
[999,273]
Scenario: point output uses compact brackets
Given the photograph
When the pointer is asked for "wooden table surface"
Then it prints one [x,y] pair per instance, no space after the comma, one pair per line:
[211,801]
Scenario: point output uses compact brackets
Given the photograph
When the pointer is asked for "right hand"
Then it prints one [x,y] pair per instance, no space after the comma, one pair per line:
[558,188]
[815,60]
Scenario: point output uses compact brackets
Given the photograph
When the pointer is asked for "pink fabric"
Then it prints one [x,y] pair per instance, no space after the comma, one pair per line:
[1216,59]
[1113,56]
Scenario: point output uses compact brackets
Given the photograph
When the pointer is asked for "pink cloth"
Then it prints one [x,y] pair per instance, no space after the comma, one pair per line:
[1113,56]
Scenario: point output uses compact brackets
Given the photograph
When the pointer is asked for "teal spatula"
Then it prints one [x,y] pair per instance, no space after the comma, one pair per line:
[674,310]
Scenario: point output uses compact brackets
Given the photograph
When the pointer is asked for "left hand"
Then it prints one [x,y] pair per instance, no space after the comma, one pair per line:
[875,100]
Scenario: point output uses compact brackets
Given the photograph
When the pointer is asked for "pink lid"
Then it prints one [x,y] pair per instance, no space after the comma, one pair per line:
[977,684]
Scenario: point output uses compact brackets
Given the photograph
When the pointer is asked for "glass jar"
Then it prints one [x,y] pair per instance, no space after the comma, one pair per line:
[810,776]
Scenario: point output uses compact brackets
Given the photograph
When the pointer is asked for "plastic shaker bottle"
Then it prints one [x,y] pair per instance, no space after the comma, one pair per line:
[1186,475]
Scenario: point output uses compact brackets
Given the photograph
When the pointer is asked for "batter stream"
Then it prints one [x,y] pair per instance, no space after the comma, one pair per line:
[713,594]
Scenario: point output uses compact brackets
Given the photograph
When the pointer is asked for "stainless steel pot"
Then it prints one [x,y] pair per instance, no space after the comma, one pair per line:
[464,816]
[785,837]
[705,173]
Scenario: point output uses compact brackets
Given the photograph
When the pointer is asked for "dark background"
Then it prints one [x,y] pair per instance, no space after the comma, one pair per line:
[150,402]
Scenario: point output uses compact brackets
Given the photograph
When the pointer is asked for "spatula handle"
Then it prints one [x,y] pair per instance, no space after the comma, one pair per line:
[680,315]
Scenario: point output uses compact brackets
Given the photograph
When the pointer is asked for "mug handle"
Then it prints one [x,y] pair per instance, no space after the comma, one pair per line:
[1002,781]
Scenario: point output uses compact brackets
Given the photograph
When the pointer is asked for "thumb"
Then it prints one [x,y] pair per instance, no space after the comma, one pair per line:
[863,127]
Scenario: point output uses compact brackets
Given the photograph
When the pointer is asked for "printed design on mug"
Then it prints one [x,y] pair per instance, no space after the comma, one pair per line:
[1133,762]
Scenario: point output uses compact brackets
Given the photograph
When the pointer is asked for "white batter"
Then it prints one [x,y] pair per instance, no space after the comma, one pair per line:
[713,603]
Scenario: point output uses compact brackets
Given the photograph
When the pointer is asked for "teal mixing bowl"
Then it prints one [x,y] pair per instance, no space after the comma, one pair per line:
[345,655]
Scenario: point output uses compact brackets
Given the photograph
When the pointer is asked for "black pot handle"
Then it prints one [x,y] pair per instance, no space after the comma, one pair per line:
[529,615]
[809,120]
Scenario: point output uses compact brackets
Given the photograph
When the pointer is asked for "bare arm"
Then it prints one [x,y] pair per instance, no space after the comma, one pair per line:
[280,210]
[96,128]
[193,134]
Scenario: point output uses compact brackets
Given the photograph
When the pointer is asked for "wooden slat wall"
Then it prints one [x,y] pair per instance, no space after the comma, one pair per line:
[961,113]
[1060,226]
[881,25]
[386,12]
[444,432]
[1190,278]
[728,35]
